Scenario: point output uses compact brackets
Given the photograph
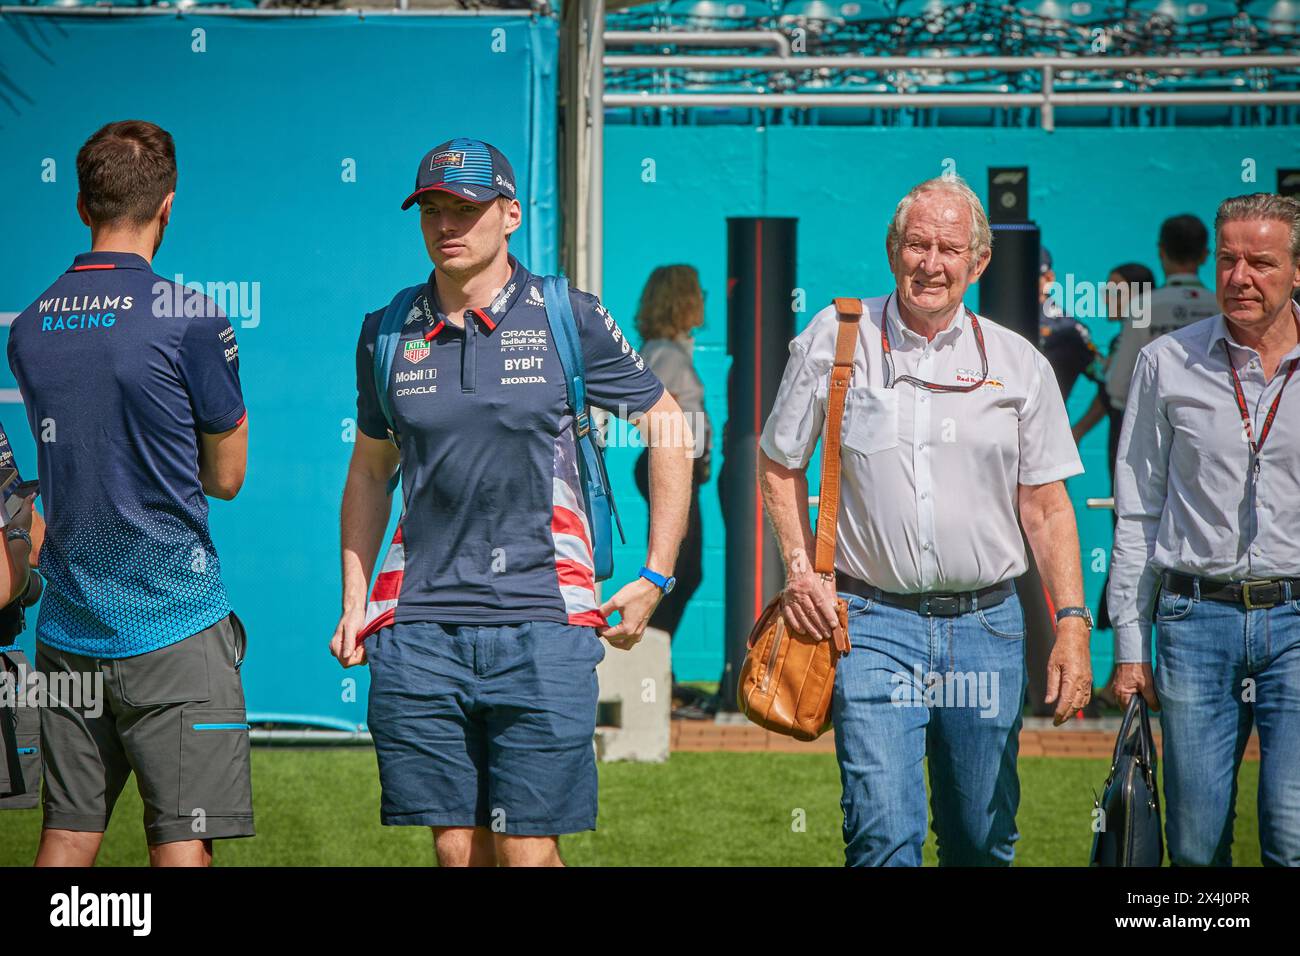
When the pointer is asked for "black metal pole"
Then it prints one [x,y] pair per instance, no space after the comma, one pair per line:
[760,324]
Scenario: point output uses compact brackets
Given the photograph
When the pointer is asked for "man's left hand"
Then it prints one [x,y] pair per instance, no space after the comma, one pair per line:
[1069,670]
[635,602]
[22,518]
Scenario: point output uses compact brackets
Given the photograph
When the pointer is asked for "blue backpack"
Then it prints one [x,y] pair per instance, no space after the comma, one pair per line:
[598,500]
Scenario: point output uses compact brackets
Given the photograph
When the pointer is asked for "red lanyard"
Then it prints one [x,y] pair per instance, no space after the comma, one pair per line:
[888,361]
[1245,412]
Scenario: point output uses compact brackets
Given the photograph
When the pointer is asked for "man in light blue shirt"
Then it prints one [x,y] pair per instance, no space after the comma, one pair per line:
[1207,541]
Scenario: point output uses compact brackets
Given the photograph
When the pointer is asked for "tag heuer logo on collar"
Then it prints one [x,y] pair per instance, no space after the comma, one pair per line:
[415,351]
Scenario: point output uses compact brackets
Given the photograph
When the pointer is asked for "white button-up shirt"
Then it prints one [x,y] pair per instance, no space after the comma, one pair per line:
[1186,496]
[929,479]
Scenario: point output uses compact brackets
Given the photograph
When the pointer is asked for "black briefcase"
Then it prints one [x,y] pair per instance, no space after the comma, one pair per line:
[1128,827]
[20,738]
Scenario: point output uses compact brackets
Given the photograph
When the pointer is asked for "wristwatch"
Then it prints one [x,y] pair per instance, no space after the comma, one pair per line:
[1082,612]
[658,580]
[18,534]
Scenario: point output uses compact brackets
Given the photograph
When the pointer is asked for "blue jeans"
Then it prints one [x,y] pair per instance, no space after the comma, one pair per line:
[891,713]
[1218,667]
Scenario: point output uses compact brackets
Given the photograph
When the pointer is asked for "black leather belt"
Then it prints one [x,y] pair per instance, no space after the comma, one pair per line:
[932,604]
[1253,595]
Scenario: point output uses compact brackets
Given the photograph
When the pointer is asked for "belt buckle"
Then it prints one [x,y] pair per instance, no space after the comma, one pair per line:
[1247,600]
[941,605]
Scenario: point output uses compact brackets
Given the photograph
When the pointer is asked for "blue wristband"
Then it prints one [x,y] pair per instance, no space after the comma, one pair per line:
[658,580]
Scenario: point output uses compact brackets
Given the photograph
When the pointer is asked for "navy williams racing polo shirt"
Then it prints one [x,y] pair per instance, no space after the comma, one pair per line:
[493,529]
[120,369]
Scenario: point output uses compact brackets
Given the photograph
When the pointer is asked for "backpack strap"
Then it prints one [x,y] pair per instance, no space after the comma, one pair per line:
[386,342]
[555,289]
[568,349]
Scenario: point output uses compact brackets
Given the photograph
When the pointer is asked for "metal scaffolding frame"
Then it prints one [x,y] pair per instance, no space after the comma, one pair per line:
[1047,100]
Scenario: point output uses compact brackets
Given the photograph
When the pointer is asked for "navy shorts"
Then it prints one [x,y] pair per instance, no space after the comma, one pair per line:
[486,726]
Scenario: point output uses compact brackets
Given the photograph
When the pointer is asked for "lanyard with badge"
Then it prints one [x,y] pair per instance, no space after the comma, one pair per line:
[1248,428]
[888,361]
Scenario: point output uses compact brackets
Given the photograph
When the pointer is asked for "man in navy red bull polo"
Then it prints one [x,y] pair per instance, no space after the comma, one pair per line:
[131,385]
[483,630]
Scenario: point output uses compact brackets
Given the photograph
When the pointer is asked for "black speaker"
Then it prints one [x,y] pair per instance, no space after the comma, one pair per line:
[760,324]
[1288,182]
[1008,194]
[1009,286]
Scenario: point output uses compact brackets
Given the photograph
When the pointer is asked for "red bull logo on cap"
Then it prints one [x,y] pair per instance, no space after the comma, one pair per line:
[448,157]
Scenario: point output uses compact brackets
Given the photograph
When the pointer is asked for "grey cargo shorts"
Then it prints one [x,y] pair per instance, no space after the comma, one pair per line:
[175,716]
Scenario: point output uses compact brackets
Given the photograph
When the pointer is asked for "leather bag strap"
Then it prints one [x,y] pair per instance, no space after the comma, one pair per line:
[849,313]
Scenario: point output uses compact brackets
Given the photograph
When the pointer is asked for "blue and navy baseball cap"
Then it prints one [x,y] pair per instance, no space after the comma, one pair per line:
[469,168]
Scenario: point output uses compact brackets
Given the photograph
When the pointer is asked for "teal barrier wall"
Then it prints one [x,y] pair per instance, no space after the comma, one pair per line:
[1098,194]
[271,117]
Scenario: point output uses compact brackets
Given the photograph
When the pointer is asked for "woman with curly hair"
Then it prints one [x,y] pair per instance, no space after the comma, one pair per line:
[671,308]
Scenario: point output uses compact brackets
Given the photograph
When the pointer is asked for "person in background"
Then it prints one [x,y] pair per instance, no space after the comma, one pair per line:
[1131,279]
[1183,245]
[1067,345]
[20,588]
[1065,341]
[671,308]
[1129,282]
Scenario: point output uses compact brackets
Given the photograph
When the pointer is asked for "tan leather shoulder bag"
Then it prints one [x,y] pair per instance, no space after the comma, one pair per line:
[788,677]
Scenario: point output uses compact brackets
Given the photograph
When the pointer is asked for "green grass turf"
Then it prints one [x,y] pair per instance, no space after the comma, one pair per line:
[321,808]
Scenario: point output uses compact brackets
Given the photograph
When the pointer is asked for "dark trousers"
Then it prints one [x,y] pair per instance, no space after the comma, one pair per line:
[690,560]
[1116,421]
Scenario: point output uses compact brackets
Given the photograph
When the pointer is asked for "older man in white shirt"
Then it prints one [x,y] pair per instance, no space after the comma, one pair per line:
[1207,542]
[953,424]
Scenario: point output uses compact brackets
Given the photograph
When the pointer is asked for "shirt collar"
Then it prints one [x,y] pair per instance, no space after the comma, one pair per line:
[899,333]
[97,261]
[488,318]
[1185,279]
[1219,330]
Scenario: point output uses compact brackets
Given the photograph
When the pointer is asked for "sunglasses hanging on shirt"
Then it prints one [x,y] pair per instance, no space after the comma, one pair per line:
[888,361]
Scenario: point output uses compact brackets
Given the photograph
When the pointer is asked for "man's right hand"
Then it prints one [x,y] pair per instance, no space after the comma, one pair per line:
[808,605]
[1133,679]
[344,645]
